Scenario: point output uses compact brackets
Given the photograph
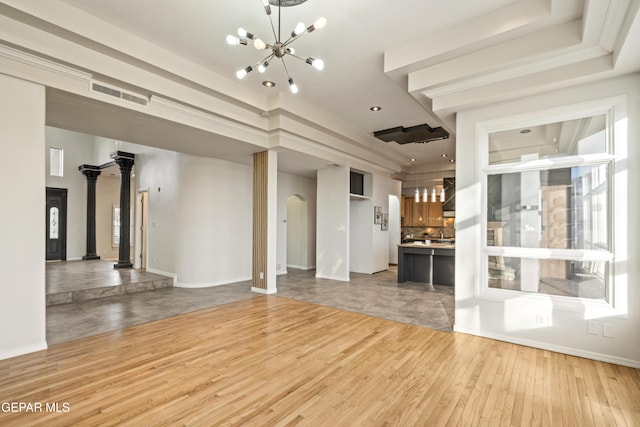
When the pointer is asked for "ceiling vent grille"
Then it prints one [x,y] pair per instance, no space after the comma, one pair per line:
[117,93]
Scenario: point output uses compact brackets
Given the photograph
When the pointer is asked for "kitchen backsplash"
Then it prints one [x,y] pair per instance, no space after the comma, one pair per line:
[448,231]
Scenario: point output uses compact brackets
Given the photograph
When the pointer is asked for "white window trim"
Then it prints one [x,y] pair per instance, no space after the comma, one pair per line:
[614,108]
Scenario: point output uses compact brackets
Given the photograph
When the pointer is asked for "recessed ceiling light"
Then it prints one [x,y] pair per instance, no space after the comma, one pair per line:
[375,108]
[413,160]
[452,160]
[268,83]
[525,131]
[443,155]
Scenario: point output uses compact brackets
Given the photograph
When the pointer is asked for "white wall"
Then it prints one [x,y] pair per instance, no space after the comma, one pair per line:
[213,229]
[22,254]
[394,228]
[370,245]
[289,185]
[515,319]
[361,249]
[296,230]
[78,150]
[332,236]
[382,188]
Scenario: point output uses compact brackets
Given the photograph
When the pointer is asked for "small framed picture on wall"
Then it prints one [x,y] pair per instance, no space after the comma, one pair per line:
[377,214]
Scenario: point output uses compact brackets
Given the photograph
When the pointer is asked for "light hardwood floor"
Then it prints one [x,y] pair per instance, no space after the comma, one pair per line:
[275,361]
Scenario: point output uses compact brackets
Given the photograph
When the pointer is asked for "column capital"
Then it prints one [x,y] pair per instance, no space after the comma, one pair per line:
[90,171]
[124,160]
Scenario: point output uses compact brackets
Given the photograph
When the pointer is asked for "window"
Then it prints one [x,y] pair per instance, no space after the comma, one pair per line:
[548,192]
[115,227]
[56,161]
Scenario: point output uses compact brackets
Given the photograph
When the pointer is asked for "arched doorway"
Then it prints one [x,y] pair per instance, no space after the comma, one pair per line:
[297,232]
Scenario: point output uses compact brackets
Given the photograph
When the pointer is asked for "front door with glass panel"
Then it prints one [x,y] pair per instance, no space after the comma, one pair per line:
[56,217]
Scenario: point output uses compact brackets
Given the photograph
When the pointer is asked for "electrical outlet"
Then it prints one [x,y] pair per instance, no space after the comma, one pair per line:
[594,328]
[261,275]
[543,320]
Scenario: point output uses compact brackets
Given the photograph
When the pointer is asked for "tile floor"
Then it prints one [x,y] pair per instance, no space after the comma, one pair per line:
[377,295]
[75,281]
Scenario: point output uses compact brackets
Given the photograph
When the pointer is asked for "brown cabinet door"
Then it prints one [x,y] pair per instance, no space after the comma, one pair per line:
[407,202]
[435,214]
[420,212]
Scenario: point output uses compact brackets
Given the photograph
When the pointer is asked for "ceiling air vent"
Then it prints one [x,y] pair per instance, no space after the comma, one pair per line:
[117,93]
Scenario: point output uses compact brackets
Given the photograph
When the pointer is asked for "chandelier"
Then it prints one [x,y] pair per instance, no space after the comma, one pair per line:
[280,48]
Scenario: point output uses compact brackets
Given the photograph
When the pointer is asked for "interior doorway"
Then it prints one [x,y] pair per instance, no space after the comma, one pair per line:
[141,229]
[297,232]
[56,217]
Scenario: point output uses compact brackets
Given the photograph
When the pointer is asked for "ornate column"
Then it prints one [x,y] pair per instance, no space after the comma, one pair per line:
[125,162]
[92,173]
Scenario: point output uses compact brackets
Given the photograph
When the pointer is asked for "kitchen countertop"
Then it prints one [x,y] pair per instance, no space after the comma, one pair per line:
[421,244]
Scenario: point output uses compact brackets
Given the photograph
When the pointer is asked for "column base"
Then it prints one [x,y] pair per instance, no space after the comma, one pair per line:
[121,264]
[90,257]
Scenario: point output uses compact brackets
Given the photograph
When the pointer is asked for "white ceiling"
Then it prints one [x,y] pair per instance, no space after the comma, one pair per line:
[420,60]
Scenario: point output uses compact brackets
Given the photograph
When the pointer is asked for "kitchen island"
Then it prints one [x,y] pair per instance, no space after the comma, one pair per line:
[432,263]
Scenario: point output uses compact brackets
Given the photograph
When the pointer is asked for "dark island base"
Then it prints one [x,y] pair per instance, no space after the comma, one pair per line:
[426,265]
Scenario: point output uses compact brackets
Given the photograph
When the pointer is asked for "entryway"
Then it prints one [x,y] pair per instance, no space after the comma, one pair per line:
[296,232]
[56,217]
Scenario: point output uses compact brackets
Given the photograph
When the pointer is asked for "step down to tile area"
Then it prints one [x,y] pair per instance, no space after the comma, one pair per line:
[107,291]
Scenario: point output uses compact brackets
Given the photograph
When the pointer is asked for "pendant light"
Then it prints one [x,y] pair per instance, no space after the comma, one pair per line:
[433,195]
[425,195]
[417,195]
[442,193]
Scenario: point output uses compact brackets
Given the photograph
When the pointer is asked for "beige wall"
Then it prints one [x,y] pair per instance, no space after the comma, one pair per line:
[107,195]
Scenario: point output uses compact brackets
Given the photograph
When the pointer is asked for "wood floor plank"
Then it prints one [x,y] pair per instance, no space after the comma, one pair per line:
[276,361]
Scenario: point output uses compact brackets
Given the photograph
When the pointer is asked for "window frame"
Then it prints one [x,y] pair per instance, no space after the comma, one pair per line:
[616,292]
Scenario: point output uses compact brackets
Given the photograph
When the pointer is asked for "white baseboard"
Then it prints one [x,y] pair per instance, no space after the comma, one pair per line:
[19,351]
[551,347]
[341,279]
[263,291]
[301,267]
[209,284]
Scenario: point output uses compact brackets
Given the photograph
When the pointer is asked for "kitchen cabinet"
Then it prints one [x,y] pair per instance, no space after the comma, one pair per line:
[426,264]
[421,214]
[435,214]
[407,214]
[444,267]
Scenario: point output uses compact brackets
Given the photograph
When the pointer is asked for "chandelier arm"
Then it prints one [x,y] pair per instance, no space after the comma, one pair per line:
[268,58]
[292,39]
[273,28]
[296,56]
[286,70]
